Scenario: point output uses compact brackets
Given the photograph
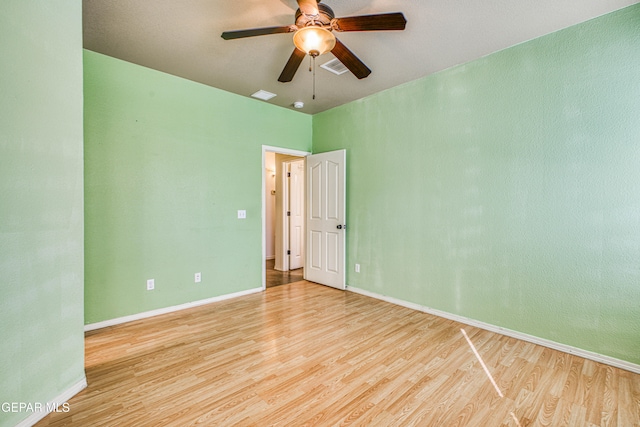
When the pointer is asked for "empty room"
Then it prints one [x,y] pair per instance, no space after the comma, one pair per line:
[291,212]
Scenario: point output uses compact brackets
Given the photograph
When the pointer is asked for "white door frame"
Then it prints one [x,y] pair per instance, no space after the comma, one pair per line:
[277,150]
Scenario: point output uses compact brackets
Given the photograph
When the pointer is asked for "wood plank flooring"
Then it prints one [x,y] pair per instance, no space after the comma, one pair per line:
[276,278]
[307,355]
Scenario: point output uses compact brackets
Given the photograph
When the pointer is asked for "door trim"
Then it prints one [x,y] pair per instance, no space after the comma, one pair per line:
[277,150]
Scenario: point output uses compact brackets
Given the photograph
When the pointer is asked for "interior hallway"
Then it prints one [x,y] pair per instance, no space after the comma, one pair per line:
[277,278]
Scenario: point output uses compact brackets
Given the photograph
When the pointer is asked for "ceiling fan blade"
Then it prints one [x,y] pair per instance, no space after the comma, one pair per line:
[350,61]
[230,35]
[292,66]
[381,22]
[308,7]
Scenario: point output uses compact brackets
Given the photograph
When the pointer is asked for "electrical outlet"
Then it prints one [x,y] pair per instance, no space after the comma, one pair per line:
[242,214]
[151,284]
[357,268]
[198,277]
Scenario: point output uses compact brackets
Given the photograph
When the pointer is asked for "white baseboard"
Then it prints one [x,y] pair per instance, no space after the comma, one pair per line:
[596,357]
[144,315]
[60,399]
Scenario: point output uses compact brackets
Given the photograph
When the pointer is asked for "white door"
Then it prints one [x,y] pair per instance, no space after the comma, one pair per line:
[296,212]
[325,255]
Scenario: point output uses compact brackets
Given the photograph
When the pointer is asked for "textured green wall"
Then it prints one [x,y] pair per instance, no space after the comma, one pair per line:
[168,162]
[41,198]
[507,190]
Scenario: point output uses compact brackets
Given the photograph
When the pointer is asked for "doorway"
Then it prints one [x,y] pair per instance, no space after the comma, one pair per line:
[283,216]
[324,210]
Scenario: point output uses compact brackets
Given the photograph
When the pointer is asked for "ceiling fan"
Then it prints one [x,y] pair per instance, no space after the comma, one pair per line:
[314,25]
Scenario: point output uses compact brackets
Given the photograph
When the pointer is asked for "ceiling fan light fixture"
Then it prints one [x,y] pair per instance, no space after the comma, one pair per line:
[314,40]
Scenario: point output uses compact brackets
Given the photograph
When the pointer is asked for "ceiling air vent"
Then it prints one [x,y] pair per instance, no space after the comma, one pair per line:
[263,94]
[335,66]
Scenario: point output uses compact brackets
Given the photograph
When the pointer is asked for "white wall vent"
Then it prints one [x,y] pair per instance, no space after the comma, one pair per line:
[335,66]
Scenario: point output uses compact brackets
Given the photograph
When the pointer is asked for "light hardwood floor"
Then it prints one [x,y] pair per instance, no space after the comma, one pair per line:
[277,278]
[307,355]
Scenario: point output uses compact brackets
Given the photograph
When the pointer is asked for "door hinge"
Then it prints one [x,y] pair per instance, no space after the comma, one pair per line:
[288,174]
[288,213]
[288,252]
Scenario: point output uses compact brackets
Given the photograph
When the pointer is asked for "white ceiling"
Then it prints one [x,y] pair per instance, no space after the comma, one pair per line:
[182,37]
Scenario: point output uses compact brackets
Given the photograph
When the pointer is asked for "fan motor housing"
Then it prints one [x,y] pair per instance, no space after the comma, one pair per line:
[324,17]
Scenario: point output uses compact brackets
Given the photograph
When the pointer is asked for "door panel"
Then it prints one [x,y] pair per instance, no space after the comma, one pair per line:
[315,191]
[333,204]
[316,250]
[333,242]
[325,218]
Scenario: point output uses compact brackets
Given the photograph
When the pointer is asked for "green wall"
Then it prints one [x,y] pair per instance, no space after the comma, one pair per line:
[41,202]
[507,190]
[168,162]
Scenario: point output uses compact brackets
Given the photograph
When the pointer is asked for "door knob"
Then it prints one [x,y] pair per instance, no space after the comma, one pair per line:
[340,227]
